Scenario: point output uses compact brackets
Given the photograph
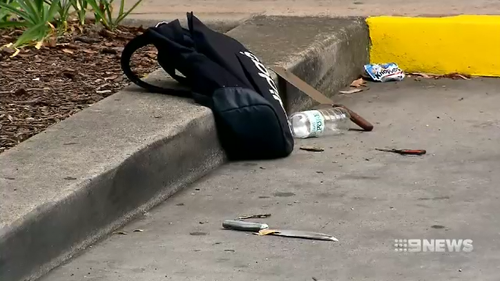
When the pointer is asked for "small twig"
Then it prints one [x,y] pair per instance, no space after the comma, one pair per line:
[33,101]
[258,216]
[109,51]
[312,148]
[102,86]
[87,40]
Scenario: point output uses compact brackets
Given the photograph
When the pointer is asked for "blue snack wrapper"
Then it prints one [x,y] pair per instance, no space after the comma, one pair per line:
[385,72]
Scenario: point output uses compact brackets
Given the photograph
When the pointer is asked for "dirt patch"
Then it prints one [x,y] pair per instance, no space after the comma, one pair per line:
[41,87]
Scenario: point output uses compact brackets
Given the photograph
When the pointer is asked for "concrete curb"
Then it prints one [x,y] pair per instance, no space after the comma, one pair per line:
[215,22]
[71,185]
[328,58]
[467,44]
[94,171]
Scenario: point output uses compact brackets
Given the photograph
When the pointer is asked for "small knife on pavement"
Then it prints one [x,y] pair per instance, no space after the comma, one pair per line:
[263,229]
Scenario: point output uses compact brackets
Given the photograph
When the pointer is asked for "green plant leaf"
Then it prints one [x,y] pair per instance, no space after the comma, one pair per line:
[36,32]
[63,11]
[39,5]
[122,6]
[29,13]
[4,14]
[52,11]
[98,13]
[123,16]
[33,11]
[104,7]
[80,8]
[9,24]
[13,10]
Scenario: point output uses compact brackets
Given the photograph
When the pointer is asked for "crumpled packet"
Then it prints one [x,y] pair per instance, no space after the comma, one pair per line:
[385,72]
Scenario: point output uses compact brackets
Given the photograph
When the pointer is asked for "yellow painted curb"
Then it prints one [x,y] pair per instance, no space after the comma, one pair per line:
[457,44]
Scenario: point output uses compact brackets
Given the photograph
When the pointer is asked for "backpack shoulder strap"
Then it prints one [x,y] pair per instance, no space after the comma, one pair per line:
[132,46]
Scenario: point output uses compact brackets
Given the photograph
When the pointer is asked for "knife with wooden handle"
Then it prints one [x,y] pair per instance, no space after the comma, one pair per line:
[318,96]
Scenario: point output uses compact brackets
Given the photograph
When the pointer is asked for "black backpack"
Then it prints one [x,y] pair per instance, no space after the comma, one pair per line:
[224,76]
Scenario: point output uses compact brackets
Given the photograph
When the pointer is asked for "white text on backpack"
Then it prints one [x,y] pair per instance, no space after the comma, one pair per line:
[264,73]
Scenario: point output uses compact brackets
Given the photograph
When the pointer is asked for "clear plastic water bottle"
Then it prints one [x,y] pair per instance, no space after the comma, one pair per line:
[315,123]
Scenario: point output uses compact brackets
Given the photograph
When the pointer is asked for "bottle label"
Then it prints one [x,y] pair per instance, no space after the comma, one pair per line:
[317,122]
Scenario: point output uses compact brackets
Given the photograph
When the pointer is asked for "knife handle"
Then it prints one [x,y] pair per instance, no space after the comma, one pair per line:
[244,225]
[357,119]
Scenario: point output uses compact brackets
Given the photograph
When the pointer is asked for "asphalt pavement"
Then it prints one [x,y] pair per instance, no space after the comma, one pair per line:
[365,198]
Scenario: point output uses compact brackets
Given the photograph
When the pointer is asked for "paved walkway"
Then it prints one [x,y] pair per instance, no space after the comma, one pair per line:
[363,197]
[236,9]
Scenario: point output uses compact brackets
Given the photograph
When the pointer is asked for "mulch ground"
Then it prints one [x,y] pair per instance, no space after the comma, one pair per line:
[41,87]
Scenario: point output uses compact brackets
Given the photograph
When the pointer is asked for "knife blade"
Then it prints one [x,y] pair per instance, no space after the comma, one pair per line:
[298,234]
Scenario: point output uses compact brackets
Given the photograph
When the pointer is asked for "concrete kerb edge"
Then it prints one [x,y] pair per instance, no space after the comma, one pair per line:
[211,157]
[313,53]
[104,232]
[326,78]
[218,25]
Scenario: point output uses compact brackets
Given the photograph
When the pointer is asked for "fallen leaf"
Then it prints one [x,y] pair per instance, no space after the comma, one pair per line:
[358,83]
[70,46]
[88,51]
[7,50]
[106,33]
[457,76]
[68,51]
[103,92]
[312,148]
[38,45]
[88,40]
[151,55]
[423,75]
[102,86]
[111,77]
[51,42]
[109,51]
[454,76]
[351,91]
[138,230]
